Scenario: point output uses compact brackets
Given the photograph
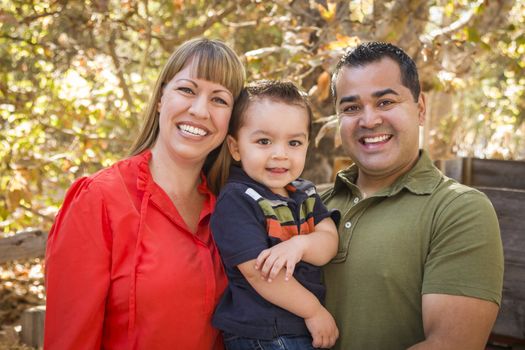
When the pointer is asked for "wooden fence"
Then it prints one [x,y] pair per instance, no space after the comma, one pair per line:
[504,183]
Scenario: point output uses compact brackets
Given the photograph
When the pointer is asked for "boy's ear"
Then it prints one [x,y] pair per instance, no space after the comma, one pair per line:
[233,147]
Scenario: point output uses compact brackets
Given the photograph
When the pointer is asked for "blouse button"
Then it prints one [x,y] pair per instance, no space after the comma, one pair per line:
[348,224]
[356,199]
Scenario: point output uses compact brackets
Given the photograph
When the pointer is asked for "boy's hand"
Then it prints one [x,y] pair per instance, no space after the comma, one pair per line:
[285,254]
[323,329]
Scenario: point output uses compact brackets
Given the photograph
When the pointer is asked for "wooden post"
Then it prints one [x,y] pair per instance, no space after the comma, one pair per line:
[23,245]
[33,326]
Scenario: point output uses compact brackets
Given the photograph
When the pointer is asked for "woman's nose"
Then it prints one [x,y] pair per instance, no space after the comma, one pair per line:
[199,107]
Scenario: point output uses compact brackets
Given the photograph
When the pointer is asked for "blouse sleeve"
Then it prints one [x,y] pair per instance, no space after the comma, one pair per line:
[78,256]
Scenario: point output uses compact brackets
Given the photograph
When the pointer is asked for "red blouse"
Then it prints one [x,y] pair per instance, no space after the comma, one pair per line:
[123,271]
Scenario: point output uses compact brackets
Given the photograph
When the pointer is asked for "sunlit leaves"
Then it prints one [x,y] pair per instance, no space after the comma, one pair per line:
[75,75]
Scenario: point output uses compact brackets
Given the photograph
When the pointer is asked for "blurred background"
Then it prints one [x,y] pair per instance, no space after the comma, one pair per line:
[75,77]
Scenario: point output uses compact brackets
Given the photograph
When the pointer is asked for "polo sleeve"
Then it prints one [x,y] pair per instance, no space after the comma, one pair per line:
[466,254]
[239,228]
[77,269]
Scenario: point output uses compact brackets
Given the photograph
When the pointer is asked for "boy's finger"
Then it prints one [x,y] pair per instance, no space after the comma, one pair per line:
[266,267]
[261,258]
[316,341]
[290,267]
[277,266]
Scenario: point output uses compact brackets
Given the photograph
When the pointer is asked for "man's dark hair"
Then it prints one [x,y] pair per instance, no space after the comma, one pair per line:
[374,51]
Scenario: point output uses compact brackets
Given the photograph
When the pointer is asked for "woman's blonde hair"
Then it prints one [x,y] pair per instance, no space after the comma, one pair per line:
[213,60]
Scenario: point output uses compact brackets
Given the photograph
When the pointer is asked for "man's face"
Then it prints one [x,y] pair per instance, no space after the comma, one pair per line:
[379,120]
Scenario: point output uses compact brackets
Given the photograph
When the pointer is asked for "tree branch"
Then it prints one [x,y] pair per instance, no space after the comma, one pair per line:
[122,81]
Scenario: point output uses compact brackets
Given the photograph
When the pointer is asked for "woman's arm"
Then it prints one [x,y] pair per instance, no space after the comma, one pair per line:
[77,271]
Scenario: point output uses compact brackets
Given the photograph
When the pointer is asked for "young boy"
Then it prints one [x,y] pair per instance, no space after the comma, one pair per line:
[271,228]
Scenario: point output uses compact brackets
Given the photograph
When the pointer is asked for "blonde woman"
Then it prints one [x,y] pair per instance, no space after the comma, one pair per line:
[130,261]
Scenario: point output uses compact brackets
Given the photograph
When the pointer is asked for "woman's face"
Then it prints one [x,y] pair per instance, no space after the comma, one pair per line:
[194,117]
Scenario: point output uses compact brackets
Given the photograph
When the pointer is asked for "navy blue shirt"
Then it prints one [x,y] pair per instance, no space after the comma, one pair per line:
[249,218]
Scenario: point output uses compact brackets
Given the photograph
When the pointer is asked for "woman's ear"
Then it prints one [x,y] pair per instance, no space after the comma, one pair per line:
[233,146]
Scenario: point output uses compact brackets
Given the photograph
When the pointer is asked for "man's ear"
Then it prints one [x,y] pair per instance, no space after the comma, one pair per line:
[233,146]
[421,109]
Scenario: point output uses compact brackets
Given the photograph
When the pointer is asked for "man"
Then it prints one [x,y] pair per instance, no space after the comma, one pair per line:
[420,262]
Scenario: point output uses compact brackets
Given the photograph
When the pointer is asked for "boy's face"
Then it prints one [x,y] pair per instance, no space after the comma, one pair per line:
[271,143]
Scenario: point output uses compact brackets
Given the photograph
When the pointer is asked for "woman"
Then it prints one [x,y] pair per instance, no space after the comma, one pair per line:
[130,262]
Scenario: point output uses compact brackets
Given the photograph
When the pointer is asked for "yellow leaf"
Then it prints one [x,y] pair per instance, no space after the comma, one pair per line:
[328,14]
[342,42]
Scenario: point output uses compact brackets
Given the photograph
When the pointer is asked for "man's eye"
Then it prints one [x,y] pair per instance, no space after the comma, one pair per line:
[385,103]
[263,142]
[295,143]
[351,109]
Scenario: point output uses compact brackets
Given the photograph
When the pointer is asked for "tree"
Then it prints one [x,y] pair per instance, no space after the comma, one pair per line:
[75,75]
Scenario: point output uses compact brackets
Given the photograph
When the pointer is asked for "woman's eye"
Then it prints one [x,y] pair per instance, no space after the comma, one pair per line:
[263,142]
[185,89]
[295,143]
[220,101]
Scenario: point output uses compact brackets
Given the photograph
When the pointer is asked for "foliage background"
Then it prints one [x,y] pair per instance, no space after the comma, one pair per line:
[75,76]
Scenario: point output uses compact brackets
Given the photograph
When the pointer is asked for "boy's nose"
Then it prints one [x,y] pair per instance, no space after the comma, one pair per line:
[279,153]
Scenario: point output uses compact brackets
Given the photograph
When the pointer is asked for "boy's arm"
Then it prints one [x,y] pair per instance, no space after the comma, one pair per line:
[316,248]
[293,297]
[320,245]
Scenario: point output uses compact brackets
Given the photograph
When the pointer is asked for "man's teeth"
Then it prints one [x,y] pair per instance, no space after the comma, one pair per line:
[192,130]
[376,139]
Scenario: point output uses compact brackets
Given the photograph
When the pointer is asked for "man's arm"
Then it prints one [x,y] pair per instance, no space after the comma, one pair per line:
[456,322]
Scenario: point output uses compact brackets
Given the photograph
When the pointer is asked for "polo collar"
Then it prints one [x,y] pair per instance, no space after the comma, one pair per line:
[422,179]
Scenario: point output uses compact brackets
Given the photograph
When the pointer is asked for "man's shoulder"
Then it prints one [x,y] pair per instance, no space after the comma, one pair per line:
[452,189]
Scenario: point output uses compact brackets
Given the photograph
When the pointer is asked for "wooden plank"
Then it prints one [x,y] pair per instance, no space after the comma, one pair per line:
[23,245]
[452,168]
[510,208]
[498,173]
[32,321]
[485,172]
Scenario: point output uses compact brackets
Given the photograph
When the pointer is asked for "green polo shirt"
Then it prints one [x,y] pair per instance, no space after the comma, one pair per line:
[425,233]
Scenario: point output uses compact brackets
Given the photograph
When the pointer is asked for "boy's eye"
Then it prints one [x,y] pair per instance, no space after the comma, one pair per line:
[263,141]
[295,143]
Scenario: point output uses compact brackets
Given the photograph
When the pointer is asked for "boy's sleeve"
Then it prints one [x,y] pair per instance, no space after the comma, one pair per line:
[320,212]
[239,228]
